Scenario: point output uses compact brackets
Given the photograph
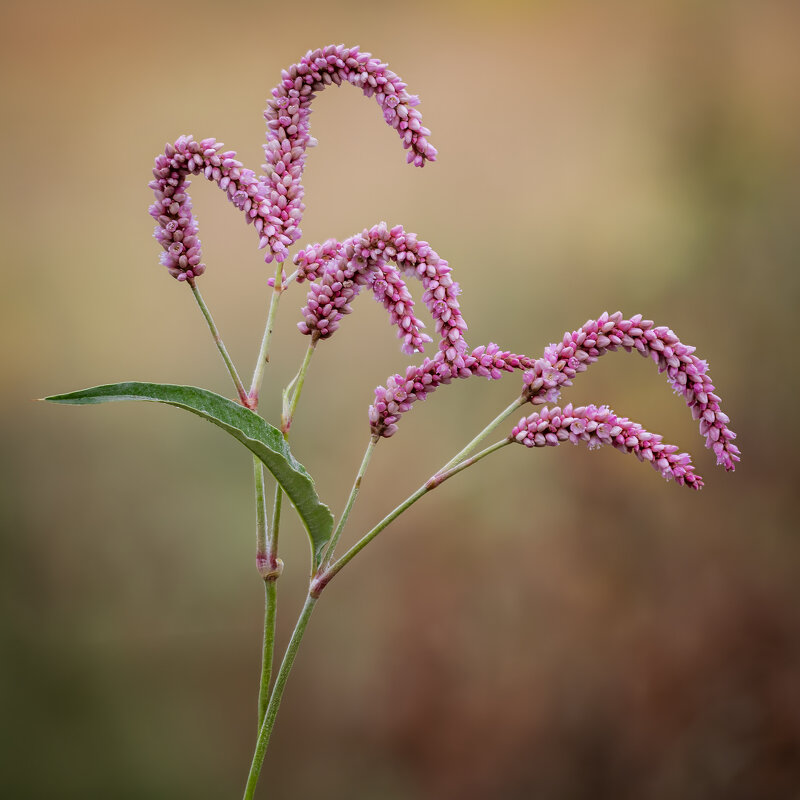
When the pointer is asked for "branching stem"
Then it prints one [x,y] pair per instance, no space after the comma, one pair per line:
[351,499]
[323,577]
[298,381]
[435,480]
[263,353]
[498,420]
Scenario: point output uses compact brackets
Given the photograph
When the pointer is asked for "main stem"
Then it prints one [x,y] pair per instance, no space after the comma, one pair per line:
[237,381]
[322,578]
[275,700]
[268,652]
[269,565]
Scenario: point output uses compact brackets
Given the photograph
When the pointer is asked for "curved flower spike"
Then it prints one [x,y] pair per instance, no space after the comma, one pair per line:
[598,426]
[363,260]
[401,392]
[686,373]
[288,113]
[177,226]
[273,204]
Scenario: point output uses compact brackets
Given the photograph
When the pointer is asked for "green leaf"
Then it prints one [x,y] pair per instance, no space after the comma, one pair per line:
[257,435]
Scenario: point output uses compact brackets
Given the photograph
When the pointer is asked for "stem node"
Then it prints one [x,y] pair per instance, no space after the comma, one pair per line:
[434,481]
[269,567]
[318,583]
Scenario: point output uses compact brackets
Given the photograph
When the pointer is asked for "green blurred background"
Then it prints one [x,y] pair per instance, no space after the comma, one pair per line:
[553,624]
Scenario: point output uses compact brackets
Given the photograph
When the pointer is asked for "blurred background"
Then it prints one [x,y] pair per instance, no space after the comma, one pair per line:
[552,624]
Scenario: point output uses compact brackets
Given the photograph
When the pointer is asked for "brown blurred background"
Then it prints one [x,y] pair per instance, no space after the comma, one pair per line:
[553,624]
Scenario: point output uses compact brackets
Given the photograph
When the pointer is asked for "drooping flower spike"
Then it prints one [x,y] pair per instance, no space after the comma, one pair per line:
[172,209]
[288,112]
[364,260]
[686,373]
[595,427]
[401,392]
[273,203]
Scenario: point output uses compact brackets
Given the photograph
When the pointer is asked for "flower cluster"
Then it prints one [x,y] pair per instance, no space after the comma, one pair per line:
[598,426]
[364,260]
[381,257]
[686,373]
[311,260]
[172,209]
[287,117]
[401,392]
[273,204]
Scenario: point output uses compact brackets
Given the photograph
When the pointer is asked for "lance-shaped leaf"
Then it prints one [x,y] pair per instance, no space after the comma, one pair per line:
[257,435]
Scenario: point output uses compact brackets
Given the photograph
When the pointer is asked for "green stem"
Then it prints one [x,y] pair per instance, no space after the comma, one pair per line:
[237,381]
[270,613]
[272,544]
[276,519]
[270,566]
[501,417]
[275,700]
[262,551]
[299,380]
[436,480]
[351,500]
[263,353]
[322,578]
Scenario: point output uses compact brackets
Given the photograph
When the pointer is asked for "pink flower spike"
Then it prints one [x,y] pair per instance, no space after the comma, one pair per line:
[367,260]
[686,373]
[288,113]
[401,392]
[596,426]
[177,227]
[273,203]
